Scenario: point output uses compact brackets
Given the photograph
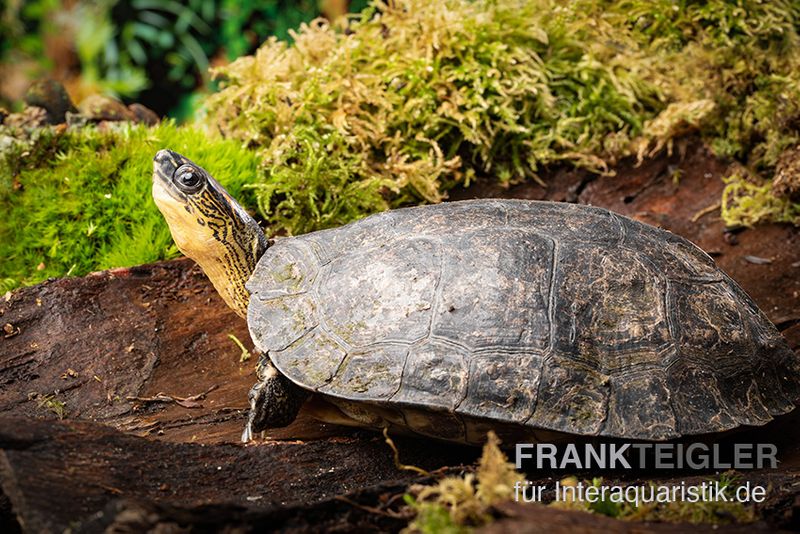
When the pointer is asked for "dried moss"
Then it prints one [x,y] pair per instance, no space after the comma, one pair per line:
[458,502]
[745,203]
[743,60]
[415,97]
[398,105]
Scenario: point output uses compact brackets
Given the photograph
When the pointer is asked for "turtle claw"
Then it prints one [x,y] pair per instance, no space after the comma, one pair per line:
[274,403]
[256,397]
[247,434]
[252,418]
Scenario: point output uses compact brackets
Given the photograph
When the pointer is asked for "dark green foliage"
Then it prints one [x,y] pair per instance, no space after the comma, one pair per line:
[21,23]
[155,51]
[173,39]
[81,201]
[245,24]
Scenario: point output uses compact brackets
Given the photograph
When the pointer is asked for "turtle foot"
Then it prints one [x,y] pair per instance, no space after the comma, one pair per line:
[274,402]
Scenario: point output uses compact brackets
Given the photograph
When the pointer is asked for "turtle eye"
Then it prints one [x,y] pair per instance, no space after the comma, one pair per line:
[188,179]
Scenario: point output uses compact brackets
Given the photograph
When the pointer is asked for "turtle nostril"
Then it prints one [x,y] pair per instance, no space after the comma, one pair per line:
[165,162]
[161,156]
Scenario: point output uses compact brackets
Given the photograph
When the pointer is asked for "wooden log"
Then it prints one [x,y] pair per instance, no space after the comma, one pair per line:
[146,351]
[62,473]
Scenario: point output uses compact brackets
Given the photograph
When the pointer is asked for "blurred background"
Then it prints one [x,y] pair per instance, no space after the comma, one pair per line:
[155,52]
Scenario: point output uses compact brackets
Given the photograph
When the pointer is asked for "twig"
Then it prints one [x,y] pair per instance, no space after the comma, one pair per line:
[756,260]
[397,463]
[186,402]
[371,509]
[706,211]
[110,489]
[245,353]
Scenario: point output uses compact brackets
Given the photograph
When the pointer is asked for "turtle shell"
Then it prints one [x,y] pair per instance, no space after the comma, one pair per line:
[542,317]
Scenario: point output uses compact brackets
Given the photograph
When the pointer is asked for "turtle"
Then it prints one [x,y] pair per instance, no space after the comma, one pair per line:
[536,320]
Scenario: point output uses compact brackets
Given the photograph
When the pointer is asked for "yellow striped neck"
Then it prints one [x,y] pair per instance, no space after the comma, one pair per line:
[215,231]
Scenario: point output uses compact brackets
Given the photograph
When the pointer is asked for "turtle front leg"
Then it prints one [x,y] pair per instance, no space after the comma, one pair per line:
[274,400]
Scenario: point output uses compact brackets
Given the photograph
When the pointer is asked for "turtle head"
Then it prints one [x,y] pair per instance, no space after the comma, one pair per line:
[208,225]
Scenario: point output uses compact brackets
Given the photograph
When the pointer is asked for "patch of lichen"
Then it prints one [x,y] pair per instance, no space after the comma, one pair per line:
[79,200]
[401,103]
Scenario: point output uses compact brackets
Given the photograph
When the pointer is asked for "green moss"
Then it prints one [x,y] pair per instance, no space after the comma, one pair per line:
[433,518]
[745,203]
[415,97]
[51,404]
[413,100]
[80,201]
[457,503]
[405,101]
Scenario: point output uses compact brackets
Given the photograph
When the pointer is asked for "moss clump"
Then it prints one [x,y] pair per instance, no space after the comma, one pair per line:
[401,103]
[76,201]
[456,503]
[415,96]
[51,404]
[746,202]
[743,59]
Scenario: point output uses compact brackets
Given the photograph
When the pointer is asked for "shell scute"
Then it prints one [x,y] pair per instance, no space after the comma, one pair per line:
[278,322]
[640,405]
[435,375]
[289,269]
[374,373]
[572,398]
[381,294]
[503,386]
[607,301]
[312,361]
[495,289]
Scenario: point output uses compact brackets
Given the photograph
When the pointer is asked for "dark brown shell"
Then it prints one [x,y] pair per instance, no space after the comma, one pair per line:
[543,316]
